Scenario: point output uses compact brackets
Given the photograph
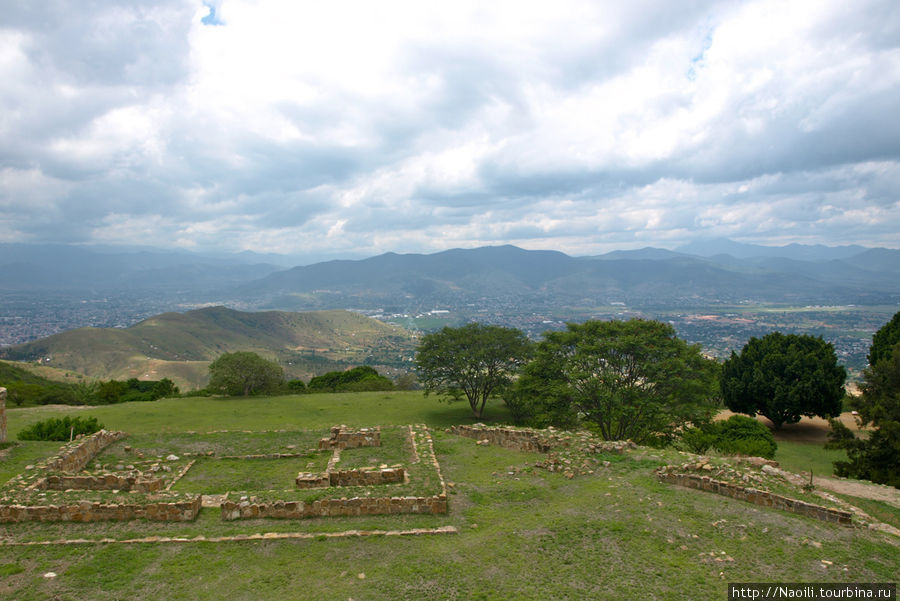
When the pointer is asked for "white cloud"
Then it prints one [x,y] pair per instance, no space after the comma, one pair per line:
[354,127]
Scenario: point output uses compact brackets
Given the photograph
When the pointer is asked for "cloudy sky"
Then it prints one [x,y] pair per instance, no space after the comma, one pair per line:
[344,128]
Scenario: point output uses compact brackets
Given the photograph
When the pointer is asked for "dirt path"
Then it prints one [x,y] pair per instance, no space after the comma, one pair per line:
[875,492]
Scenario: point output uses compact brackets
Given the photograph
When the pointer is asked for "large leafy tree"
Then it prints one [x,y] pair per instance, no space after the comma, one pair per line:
[474,361]
[784,377]
[629,379]
[244,374]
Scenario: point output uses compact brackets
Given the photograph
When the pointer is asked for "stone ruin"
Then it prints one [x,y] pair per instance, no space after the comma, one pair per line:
[343,437]
[60,473]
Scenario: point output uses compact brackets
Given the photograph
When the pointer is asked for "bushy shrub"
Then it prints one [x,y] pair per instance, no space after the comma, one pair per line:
[741,435]
[738,435]
[56,428]
[699,439]
[358,379]
[295,386]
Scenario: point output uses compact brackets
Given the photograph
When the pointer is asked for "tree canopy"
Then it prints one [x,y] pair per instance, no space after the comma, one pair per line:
[474,361]
[628,379]
[877,457]
[884,340]
[784,377]
[358,379]
[244,374]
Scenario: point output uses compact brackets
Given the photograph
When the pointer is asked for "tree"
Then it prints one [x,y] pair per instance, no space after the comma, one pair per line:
[627,379]
[884,340]
[876,458]
[244,374]
[784,377]
[474,361]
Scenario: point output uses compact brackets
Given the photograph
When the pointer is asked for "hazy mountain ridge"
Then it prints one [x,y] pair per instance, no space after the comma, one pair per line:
[642,276]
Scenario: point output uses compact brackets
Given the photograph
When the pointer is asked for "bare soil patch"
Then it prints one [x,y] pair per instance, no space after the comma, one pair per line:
[808,429]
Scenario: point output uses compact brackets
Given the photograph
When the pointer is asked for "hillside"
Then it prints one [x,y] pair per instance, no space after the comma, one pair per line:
[181,345]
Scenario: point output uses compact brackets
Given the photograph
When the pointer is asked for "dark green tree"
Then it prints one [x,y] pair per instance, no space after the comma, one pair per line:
[244,374]
[474,362]
[884,340]
[784,377]
[296,387]
[627,379]
[876,458]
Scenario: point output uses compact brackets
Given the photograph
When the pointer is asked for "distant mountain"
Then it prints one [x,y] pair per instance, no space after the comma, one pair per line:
[798,252]
[66,267]
[181,345]
[513,277]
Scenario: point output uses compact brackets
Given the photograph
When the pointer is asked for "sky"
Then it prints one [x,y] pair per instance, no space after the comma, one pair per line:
[349,129]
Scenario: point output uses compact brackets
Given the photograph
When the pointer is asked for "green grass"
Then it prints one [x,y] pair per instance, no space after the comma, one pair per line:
[881,511]
[801,457]
[295,412]
[525,533]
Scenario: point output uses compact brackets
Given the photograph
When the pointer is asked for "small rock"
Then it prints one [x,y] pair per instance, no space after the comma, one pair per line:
[172,458]
[50,575]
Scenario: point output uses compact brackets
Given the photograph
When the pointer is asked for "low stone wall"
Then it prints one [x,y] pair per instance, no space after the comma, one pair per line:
[343,437]
[312,480]
[359,477]
[75,455]
[757,497]
[510,438]
[105,482]
[367,476]
[86,511]
[356,506]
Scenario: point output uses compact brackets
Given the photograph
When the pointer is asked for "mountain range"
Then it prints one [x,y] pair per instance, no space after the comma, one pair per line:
[710,271]
[647,277]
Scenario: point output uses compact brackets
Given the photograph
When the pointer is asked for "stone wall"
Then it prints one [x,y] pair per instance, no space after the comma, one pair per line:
[752,495]
[87,511]
[358,477]
[105,482]
[2,415]
[343,437]
[510,438]
[356,506]
[75,455]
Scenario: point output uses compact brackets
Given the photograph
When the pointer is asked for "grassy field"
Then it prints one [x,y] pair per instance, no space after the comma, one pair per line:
[524,533]
[801,457]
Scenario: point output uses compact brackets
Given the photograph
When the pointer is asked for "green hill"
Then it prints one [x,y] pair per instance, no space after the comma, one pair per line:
[180,346]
